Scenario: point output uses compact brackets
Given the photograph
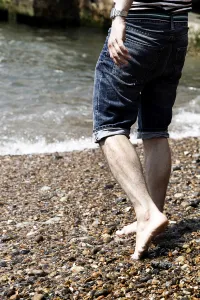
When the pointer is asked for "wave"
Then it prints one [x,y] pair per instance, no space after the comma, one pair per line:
[42,146]
[21,147]
[186,124]
[186,121]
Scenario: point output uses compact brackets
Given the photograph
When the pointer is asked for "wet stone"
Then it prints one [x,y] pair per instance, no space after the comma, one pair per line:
[176,168]
[39,238]
[109,186]
[96,250]
[165,265]
[103,292]
[6,238]
[145,279]
[15,253]
[25,251]
[3,264]
[10,292]
[120,200]
[195,203]
[39,273]
[38,297]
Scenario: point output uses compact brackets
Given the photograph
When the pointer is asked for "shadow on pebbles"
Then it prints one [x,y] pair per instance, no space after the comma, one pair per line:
[59,215]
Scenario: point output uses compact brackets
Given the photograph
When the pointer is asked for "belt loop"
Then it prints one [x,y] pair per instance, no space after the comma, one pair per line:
[172,23]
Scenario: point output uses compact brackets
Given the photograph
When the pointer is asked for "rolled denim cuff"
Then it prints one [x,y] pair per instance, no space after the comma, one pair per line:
[152,135]
[106,132]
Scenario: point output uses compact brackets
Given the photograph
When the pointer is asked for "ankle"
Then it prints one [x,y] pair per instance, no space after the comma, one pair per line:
[147,215]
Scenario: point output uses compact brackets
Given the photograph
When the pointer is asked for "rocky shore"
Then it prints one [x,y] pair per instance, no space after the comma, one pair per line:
[59,214]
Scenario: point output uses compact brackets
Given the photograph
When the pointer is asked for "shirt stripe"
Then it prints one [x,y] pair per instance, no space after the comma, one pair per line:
[172,6]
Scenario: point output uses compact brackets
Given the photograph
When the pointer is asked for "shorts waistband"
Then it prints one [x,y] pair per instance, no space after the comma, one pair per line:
[156,15]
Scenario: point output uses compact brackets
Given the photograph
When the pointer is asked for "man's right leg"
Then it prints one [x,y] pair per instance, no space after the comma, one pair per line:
[157,167]
[126,168]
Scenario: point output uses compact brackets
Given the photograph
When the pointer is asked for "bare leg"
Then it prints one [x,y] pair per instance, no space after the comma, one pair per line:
[126,168]
[157,172]
[157,169]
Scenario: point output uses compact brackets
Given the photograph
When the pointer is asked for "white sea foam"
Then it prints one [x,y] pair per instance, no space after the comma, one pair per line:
[186,120]
[186,124]
[41,146]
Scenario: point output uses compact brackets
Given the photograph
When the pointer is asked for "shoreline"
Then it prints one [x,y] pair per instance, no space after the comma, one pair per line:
[59,215]
[91,145]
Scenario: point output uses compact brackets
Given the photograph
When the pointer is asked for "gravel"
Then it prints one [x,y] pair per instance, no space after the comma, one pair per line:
[58,222]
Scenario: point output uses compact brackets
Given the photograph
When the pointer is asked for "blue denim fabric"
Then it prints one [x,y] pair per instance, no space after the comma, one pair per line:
[146,88]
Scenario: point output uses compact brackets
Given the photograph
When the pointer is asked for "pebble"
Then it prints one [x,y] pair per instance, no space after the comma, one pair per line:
[45,188]
[32,233]
[96,250]
[23,224]
[11,222]
[109,186]
[6,238]
[178,196]
[52,221]
[180,259]
[155,282]
[127,209]
[3,264]
[38,297]
[165,265]
[95,274]
[186,153]
[24,251]
[77,269]
[36,272]
[95,223]
[106,238]
[195,203]
[103,292]
[188,250]
[39,238]
[10,293]
[175,252]
[64,199]
[188,208]
[120,200]
[146,278]
[14,297]
[184,204]
[176,168]
[184,267]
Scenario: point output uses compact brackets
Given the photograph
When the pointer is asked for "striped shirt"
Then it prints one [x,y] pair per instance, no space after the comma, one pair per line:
[171,6]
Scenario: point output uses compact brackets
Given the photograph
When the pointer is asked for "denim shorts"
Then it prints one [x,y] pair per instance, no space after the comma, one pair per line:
[146,88]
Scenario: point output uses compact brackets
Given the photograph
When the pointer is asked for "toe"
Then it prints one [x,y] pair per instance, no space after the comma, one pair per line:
[119,232]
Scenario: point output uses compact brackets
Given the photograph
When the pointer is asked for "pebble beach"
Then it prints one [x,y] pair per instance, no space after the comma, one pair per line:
[59,215]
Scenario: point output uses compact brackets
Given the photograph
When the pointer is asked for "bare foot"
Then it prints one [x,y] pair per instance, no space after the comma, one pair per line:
[146,230]
[131,228]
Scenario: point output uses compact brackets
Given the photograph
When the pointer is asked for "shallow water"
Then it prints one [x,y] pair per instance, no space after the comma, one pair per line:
[46,90]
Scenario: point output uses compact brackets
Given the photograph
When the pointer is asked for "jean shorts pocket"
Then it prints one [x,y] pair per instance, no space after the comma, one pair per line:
[139,69]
